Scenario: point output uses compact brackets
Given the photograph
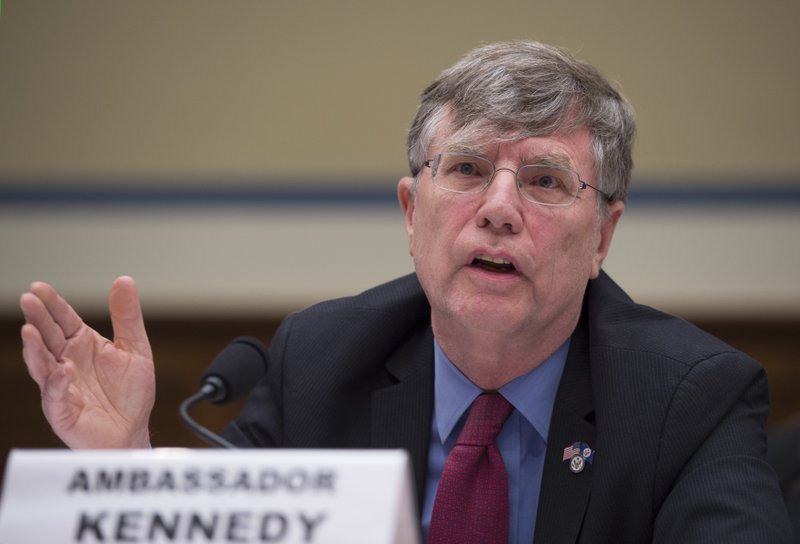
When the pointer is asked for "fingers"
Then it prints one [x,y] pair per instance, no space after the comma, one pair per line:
[39,360]
[63,314]
[50,322]
[126,317]
[55,320]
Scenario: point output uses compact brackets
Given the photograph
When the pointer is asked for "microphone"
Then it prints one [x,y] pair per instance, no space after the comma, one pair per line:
[231,374]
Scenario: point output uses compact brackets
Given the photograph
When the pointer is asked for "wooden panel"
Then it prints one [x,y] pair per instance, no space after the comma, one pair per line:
[184,347]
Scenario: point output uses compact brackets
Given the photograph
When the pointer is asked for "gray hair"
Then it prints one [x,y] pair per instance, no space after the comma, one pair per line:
[511,91]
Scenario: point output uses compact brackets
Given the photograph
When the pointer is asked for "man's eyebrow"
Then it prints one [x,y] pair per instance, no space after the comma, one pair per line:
[466,149]
[551,159]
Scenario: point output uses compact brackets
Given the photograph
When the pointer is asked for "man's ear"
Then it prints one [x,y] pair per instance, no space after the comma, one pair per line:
[607,227]
[406,196]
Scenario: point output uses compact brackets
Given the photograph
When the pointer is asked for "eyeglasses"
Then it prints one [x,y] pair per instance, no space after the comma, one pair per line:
[538,183]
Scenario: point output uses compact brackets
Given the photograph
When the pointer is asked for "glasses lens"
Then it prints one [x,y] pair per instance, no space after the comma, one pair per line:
[462,173]
[548,184]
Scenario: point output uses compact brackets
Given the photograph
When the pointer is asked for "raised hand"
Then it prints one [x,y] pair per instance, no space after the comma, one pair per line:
[95,393]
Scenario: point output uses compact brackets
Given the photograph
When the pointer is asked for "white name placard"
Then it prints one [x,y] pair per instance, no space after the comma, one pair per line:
[182,495]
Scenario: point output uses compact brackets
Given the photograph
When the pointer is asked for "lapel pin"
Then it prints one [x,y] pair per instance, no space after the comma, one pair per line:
[578,455]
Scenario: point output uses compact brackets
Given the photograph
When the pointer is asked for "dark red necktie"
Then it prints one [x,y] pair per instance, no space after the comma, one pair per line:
[471,504]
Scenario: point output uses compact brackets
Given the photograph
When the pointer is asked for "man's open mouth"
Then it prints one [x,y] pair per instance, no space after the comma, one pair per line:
[494,264]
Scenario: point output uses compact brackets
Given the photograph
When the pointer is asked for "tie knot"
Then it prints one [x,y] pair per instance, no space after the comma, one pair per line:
[486,417]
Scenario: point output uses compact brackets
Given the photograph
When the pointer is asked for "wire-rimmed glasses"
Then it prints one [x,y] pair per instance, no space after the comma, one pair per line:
[543,184]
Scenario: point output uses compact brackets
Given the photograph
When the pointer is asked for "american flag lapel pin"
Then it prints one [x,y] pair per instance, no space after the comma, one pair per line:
[578,454]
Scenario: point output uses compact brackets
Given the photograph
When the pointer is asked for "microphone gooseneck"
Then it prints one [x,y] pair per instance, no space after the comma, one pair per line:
[232,374]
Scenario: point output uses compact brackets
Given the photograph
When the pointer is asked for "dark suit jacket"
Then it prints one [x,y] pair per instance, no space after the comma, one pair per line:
[676,417]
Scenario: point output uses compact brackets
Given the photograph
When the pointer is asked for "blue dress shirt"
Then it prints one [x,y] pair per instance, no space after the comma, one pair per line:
[522,442]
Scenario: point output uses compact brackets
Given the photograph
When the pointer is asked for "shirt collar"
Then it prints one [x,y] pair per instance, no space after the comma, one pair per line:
[532,394]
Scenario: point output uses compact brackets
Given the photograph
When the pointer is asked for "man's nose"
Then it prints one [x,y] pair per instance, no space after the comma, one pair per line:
[501,208]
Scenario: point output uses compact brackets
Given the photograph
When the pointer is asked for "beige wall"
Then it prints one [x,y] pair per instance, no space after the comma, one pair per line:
[199,91]
[314,87]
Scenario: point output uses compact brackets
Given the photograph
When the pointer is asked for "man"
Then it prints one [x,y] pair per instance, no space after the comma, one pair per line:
[623,424]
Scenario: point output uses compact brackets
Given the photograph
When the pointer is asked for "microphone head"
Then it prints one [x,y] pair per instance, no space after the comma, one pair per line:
[235,370]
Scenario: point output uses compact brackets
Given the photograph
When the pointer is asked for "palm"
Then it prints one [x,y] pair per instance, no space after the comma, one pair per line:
[95,393]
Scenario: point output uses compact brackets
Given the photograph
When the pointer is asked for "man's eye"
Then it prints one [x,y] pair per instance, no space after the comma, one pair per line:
[546,181]
[466,169]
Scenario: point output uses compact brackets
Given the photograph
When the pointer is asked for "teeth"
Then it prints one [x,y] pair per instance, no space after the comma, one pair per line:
[495,260]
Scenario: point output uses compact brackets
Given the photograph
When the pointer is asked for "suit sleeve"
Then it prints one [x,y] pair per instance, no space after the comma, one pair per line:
[713,446]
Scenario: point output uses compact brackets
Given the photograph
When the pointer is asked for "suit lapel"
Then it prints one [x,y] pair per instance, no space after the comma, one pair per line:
[564,494]
[401,413]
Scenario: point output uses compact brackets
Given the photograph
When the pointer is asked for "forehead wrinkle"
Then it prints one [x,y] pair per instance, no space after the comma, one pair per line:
[474,139]
[471,139]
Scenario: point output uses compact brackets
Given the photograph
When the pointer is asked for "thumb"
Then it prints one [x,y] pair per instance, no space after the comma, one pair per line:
[126,317]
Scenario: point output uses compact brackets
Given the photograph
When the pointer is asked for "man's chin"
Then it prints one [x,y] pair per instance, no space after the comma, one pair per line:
[492,314]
